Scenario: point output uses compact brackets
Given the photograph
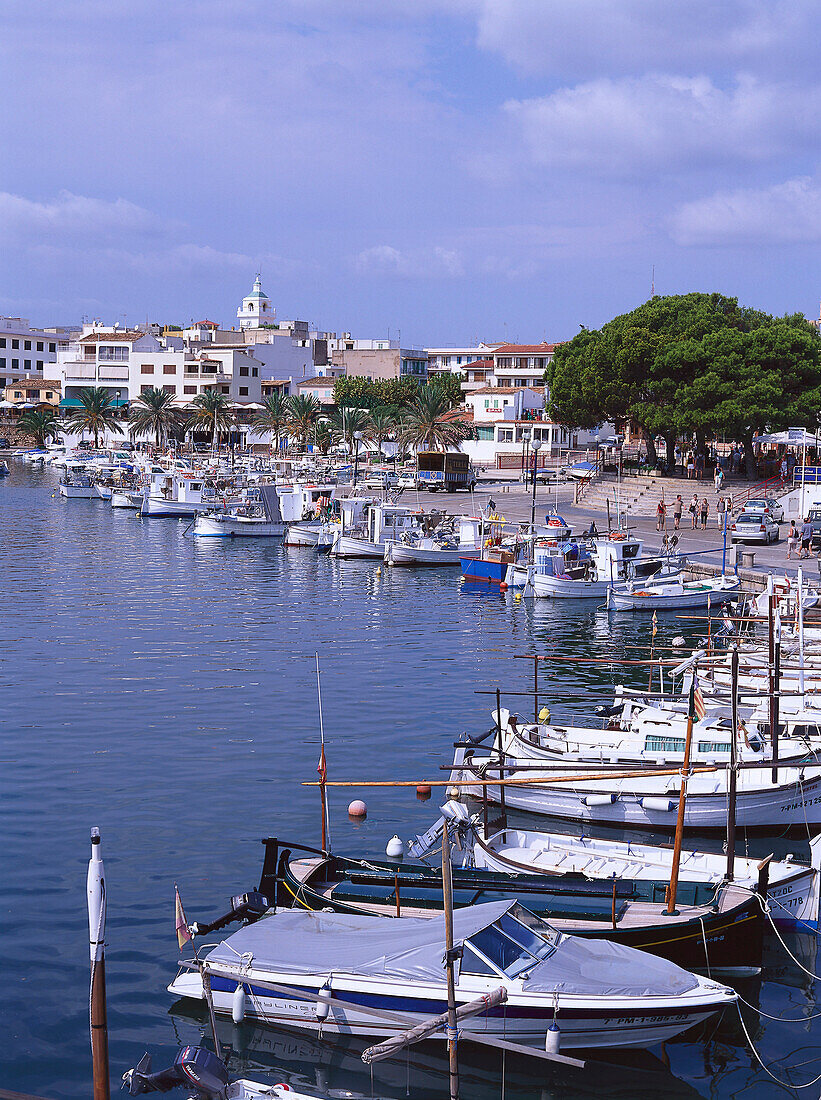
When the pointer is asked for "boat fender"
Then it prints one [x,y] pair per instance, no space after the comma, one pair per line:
[661,805]
[552,1039]
[323,1005]
[599,799]
[238,1005]
[395,848]
[544,715]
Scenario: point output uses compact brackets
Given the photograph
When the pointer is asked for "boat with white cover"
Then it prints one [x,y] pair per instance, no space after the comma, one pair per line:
[598,993]
[255,515]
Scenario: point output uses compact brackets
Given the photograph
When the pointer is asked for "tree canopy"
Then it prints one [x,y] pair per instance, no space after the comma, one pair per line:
[689,364]
[361,393]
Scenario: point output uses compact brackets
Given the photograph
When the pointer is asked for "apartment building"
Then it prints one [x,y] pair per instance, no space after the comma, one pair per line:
[27,351]
[521,364]
[456,360]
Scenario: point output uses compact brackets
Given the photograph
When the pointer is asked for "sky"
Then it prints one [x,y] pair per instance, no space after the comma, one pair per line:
[444,171]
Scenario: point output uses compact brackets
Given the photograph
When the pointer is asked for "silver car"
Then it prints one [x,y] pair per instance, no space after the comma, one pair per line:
[769,505]
[754,527]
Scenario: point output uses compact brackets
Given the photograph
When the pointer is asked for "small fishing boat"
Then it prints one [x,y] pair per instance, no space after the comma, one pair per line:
[628,909]
[77,483]
[127,498]
[369,529]
[672,593]
[354,974]
[445,545]
[204,1076]
[255,515]
[177,494]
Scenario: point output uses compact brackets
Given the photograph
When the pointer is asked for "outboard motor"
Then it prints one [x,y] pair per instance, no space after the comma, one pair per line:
[195,1068]
[249,907]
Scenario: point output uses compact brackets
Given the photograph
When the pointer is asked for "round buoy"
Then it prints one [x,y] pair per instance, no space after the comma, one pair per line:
[395,848]
[423,792]
[357,808]
[454,792]
[379,571]
[679,642]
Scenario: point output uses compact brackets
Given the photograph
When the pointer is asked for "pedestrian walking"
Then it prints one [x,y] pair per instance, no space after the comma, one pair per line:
[661,515]
[705,508]
[792,540]
[718,480]
[806,538]
[691,465]
[699,466]
[720,509]
[693,510]
[678,508]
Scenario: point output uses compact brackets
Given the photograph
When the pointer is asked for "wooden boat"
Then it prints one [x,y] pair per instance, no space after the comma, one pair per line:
[671,594]
[626,911]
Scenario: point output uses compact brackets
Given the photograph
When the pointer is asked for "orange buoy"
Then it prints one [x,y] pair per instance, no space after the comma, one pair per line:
[423,792]
[357,809]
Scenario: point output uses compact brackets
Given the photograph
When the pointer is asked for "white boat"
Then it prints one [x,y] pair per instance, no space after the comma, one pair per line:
[648,801]
[255,515]
[366,527]
[792,888]
[587,568]
[444,546]
[36,458]
[351,974]
[307,509]
[177,494]
[127,498]
[77,483]
[666,595]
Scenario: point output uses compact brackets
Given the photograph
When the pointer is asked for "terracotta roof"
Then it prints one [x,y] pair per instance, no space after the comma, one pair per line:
[204,324]
[118,337]
[34,384]
[525,349]
[319,380]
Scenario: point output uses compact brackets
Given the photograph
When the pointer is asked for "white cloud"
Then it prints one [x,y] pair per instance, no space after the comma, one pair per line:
[786,213]
[433,263]
[613,37]
[663,122]
[74,216]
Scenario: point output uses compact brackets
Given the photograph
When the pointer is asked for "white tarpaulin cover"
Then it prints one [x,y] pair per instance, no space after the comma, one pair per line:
[412,949]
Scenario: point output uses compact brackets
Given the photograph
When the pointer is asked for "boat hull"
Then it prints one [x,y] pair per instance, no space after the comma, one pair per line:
[398,553]
[122,499]
[303,534]
[481,569]
[159,506]
[78,492]
[230,527]
[345,546]
[647,600]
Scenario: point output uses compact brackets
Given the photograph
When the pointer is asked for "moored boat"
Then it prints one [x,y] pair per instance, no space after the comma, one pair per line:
[668,594]
[255,515]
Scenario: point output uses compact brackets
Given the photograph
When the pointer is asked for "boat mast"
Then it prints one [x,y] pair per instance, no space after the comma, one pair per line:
[682,798]
[447,892]
[96,898]
[733,776]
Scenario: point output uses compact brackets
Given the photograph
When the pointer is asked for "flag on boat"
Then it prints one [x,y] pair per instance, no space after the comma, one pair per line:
[183,931]
[321,767]
[655,625]
[698,701]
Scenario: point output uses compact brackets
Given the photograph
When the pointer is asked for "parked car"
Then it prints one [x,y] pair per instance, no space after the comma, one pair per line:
[769,505]
[406,479]
[754,527]
[814,516]
[381,479]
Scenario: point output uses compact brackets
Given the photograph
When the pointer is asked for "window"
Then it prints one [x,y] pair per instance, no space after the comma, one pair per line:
[658,743]
[243,391]
[169,389]
[39,364]
[484,432]
[714,746]
[243,372]
[146,368]
[34,395]
[146,389]
[15,364]
[2,364]
[169,368]
[472,964]
[39,345]
[505,435]
[189,389]
[27,363]
[255,372]
[27,345]
[18,393]
[52,348]
[225,389]
[2,341]
[49,395]
[15,345]
[2,383]
[111,353]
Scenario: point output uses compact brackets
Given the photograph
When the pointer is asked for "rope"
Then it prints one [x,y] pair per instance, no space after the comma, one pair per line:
[758,1058]
[704,938]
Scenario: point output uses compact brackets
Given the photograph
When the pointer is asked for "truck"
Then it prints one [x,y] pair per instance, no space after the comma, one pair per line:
[446,470]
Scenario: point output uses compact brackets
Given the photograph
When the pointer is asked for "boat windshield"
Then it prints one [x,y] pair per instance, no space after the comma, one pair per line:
[516,945]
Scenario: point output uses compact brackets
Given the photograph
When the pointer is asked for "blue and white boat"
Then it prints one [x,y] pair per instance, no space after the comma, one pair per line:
[351,974]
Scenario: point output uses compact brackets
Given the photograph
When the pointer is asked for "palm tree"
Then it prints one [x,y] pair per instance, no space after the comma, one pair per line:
[154,412]
[382,424]
[304,410]
[41,424]
[345,422]
[429,424]
[211,412]
[95,413]
[275,416]
[323,436]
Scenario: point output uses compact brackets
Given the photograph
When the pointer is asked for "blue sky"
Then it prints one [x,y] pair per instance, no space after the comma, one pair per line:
[449,169]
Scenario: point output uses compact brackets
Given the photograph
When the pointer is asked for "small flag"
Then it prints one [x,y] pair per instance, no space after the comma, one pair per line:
[655,625]
[698,701]
[183,931]
[322,767]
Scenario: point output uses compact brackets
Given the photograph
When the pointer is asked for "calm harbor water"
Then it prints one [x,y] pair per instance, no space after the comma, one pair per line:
[163,688]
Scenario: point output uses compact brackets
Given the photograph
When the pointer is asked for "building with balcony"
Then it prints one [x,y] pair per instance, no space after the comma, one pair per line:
[381,363]
[29,393]
[521,364]
[27,351]
[457,360]
[106,358]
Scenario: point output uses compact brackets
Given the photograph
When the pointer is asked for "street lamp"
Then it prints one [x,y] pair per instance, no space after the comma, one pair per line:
[525,456]
[536,445]
[357,436]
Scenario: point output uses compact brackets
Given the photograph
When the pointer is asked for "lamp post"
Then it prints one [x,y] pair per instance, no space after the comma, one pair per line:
[525,457]
[535,445]
[357,436]
[116,403]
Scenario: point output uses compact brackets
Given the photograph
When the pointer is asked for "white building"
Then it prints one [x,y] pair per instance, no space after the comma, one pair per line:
[27,351]
[256,308]
[455,360]
[505,418]
[521,364]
